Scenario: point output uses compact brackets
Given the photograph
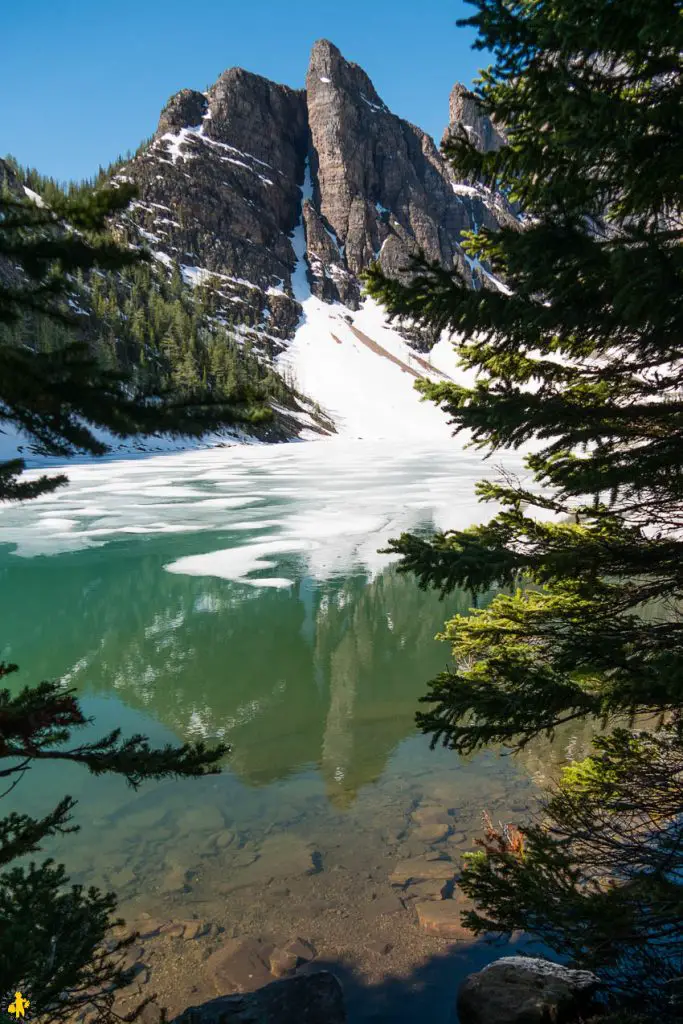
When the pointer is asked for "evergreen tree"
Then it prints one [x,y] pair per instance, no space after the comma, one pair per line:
[582,353]
[52,933]
[57,395]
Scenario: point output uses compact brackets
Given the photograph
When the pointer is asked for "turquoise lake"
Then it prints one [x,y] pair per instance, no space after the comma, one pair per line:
[237,594]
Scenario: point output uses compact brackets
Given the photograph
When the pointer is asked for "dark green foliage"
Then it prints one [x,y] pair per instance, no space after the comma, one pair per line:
[53,941]
[62,952]
[41,718]
[51,189]
[163,347]
[580,353]
[601,881]
[36,237]
[91,336]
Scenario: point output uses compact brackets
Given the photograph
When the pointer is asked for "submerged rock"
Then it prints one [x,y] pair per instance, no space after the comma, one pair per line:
[427,815]
[525,990]
[442,917]
[301,950]
[386,904]
[307,999]
[282,963]
[204,818]
[431,833]
[430,889]
[420,869]
[240,965]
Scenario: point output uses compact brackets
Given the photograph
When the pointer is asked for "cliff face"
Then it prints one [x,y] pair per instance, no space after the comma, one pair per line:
[464,110]
[219,193]
[379,183]
[230,173]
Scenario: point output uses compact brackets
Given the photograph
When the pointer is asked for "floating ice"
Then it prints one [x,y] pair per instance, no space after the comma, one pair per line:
[322,509]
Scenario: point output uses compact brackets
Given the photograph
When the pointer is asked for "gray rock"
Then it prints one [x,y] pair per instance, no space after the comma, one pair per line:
[240,965]
[307,999]
[220,189]
[525,990]
[187,107]
[465,110]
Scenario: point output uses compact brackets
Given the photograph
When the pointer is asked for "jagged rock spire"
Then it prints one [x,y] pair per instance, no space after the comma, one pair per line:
[465,111]
[220,188]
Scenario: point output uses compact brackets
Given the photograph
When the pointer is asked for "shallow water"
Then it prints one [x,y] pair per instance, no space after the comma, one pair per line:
[237,594]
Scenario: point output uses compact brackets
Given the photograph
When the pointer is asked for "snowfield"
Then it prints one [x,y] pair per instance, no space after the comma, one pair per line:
[363,373]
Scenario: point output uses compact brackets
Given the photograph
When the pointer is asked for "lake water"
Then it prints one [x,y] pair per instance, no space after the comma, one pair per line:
[237,594]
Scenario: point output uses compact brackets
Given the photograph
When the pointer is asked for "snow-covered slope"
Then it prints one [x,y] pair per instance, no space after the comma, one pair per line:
[362,373]
[358,368]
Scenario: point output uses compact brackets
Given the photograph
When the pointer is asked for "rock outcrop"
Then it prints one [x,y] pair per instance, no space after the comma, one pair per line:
[525,990]
[465,111]
[219,194]
[327,273]
[306,999]
[231,173]
[382,188]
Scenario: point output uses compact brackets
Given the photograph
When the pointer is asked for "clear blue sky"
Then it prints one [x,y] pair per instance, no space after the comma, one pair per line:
[84,80]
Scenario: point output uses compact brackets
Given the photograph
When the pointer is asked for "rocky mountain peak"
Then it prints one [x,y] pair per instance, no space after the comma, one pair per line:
[380,187]
[185,108]
[232,172]
[260,117]
[327,66]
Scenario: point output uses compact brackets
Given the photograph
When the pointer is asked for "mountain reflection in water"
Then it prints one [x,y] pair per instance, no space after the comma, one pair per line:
[323,674]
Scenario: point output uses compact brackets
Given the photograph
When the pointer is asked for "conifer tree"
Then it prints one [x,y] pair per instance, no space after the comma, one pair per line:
[57,397]
[583,353]
[52,933]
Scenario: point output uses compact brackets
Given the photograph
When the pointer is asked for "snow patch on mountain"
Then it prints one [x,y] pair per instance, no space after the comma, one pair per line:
[362,373]
[358,368]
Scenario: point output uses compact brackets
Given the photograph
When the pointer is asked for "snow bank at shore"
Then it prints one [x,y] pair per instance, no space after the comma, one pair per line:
[355,366]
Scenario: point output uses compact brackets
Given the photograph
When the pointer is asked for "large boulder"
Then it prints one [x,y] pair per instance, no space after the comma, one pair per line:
[525,990]
[305,999]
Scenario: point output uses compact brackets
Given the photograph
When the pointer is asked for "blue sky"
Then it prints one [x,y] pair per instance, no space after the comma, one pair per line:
[81,82]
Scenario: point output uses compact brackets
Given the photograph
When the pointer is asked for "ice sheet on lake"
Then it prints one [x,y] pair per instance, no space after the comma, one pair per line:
[322,509]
